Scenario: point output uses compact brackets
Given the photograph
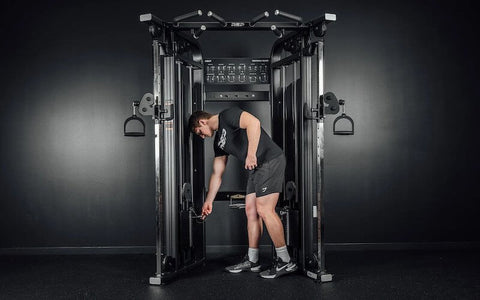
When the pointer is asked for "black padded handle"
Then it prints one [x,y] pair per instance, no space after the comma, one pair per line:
[133,133]
[343,132]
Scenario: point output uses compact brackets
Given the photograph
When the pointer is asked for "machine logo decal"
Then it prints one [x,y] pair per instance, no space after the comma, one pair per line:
[223,139]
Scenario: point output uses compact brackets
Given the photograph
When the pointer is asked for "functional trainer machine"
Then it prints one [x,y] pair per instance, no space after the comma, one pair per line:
[291,82]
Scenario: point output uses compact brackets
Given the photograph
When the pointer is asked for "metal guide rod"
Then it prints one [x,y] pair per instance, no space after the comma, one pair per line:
[320,163]
[284,137]
[324,276]
[179,95]
[190,136]
[190,157]
[170,160]
[307,163]
[158,130]
[296,127]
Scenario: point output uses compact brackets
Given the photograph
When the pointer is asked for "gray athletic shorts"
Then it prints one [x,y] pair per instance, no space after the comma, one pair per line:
[267,178]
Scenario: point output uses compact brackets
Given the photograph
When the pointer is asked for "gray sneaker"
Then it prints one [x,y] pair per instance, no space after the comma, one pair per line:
[244,265]
[279,268]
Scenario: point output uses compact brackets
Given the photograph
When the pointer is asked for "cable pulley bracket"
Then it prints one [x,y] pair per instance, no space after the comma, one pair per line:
[313,113]
[331,106]
[146,105]
[164,112]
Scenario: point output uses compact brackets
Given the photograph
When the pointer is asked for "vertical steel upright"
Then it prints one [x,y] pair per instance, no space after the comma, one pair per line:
[313,162]
[320,167]
[177,84]
[158,53]
[166,161]
[297,108]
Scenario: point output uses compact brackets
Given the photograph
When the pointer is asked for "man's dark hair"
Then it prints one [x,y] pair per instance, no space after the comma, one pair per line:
[197,116]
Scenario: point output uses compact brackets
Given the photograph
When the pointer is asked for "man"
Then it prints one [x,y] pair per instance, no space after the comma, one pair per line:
[239,133]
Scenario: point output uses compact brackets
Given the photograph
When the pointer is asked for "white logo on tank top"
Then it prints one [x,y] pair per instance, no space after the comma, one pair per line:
[223,139]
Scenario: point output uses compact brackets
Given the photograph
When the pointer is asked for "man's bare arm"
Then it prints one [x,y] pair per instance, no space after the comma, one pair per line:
[252,125]
[219,164]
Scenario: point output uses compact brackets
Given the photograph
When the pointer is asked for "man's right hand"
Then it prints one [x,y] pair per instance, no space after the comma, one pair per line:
[206,209]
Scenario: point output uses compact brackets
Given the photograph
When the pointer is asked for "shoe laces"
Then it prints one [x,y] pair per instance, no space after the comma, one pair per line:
[276,262]
[245,260]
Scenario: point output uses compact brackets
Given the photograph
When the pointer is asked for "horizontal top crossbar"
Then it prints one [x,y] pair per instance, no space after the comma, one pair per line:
[237,26]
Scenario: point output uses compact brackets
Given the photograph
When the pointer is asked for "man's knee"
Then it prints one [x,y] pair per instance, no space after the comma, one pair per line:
[266,205]
[264,211]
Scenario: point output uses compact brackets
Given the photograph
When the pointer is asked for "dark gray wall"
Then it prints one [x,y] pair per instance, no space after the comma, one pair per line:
[70,71]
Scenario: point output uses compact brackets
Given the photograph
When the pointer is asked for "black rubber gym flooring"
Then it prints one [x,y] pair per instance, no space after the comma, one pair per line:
[357,275]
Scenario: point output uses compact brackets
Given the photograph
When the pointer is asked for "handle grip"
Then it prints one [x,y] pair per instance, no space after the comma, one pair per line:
[217,18]
[288,16]
[259,17]
[277,31]
[343,132]
[133,133]
[187,16]
[199,31]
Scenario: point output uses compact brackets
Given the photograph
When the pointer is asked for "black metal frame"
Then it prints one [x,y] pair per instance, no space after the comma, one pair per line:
[297,106]
[303,212]
[177,92]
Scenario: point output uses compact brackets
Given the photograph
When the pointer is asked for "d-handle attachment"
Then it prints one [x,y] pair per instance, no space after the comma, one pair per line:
[134,119]
[343,116]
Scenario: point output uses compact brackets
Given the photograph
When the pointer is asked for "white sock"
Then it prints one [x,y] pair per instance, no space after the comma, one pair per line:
[253,254]
[282,252]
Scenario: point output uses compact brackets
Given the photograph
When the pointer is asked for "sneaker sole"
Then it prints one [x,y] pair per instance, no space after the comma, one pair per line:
[279,274]
[254,269]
